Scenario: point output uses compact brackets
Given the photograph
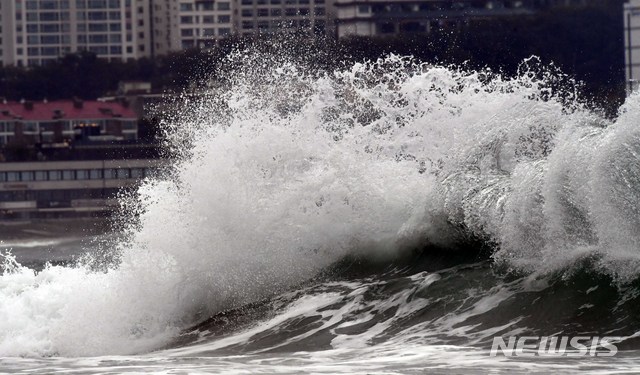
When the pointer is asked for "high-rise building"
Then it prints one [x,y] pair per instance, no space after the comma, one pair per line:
[632,44]
[33,32]
[37,31]
[393,17]
[202,22]
[164,24]
[189,24]
[397,17]
[301,16]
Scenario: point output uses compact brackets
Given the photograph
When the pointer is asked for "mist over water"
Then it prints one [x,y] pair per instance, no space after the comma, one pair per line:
[282,172]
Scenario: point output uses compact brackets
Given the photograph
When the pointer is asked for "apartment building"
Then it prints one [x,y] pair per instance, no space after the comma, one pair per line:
[394,17]
[187,24]
[202,22]
[35,31]
[313,17]
[632,44]
[397,17]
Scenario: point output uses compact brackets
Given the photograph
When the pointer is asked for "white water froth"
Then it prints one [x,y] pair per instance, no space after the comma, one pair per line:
[287,173]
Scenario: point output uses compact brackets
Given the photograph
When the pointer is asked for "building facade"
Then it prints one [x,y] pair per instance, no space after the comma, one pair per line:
[69,158]
[33,32]
[68,188]
[632,44]
[36,31]
[65,121]
[202,22]
[311,17]
[396,17]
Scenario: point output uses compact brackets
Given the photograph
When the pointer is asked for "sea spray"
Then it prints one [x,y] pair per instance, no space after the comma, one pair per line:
[280,172]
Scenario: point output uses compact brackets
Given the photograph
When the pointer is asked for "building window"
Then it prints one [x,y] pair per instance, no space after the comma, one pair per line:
[68,175]
[55,175]
[50,51]
[40,175]
[49,16]
[98,16]
[97,4]
[98,39]
[26,176]
[50,39]
[99,50]
[123,173]
[82,174]
[95,174]
[110,174]
[98,27]
[13,176]
[137,173]
[30,127]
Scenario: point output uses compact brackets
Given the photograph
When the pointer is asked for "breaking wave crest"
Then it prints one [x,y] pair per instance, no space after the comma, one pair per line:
[282,172]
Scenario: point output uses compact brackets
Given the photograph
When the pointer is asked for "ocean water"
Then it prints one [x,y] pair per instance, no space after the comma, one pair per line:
[389,217]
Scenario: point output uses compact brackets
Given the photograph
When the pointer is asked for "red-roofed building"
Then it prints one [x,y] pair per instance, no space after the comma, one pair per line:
[30,122]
